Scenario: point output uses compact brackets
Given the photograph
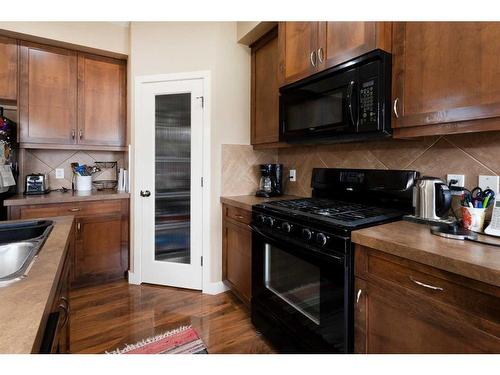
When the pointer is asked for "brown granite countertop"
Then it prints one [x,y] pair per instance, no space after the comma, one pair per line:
[247,201]
[415,242]
[60,197]
[25,304]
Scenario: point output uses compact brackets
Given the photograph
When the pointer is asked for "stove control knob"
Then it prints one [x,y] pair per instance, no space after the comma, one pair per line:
[270,221]
[321,239]
[306,234]
[286,227]
[260,219]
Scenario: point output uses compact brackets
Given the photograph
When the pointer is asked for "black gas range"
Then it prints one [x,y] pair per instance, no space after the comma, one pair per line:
[303,261]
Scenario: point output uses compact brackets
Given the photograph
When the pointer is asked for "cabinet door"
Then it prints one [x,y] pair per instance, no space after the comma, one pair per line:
[47,94]
[393,320]
[342,41]
[265,90]
[237,259]
[99,249]
[445,72]
[298,50]
[101,101]
[8,69]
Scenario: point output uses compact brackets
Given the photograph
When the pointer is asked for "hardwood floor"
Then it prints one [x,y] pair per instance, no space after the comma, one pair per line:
[108,316]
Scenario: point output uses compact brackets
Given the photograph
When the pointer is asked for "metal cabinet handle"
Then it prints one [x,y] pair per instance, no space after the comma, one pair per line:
[239,217]
[80,133]
[78,226]
[73,133]
[358,295]
[432,287]
[312,57]
[76,209]
[395,107]
[64,308]
[321,55]
[145,193]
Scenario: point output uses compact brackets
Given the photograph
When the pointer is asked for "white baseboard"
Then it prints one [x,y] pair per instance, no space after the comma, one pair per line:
[215,288]
[133,278]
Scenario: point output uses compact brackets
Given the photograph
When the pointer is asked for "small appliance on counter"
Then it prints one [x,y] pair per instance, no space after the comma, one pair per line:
[432,201]
[271,180]
[36,184]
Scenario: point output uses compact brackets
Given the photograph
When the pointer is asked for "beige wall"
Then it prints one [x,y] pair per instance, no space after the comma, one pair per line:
[249,32]
[107,36]
[171,47]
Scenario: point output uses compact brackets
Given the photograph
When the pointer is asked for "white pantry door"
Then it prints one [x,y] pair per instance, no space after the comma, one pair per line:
[170,155]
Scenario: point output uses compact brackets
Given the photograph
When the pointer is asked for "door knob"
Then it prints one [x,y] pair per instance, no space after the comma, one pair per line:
[145,193]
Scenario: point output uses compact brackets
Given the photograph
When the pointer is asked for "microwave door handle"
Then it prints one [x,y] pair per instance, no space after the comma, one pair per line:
[350,101]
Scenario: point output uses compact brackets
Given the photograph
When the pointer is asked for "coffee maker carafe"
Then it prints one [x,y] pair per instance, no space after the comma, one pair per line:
[271,180]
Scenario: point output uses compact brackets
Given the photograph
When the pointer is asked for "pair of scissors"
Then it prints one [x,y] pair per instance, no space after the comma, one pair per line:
[481,198]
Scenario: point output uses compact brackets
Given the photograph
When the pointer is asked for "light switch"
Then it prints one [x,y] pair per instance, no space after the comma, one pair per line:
[59,173]
[292,175]
[489,182]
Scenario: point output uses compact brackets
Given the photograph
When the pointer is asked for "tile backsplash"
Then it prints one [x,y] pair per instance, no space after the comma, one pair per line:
[46,161]
[469,154]
[240,168]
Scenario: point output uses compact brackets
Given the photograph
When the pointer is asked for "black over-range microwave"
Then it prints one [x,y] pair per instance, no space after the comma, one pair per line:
[347,102]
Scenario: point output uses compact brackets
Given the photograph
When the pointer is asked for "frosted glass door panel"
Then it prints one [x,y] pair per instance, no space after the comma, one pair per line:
[172,177]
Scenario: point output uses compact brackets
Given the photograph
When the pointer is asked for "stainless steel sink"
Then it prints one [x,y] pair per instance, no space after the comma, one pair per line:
[20,243]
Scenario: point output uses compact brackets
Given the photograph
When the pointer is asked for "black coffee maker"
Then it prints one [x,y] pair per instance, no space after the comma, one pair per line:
[271,180]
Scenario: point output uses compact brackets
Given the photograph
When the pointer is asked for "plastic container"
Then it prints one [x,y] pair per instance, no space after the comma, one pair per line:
[473,218]
[83,183]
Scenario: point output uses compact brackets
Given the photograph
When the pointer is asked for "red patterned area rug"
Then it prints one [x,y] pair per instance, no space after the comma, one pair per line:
[183,340]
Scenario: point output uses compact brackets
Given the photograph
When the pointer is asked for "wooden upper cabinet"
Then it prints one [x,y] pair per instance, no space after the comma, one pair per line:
[47,94]
[265,90]
[8,69]
[342,41]
[297,45]
[309,47]
[445,72]
[101,101]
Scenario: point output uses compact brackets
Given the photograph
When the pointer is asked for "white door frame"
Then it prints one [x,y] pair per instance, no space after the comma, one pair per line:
[135,276]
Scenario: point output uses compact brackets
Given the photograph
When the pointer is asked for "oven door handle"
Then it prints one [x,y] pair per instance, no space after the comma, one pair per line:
[260,233]
[270,239]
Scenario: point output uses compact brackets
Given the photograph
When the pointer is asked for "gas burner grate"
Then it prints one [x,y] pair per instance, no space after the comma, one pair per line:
[340,210]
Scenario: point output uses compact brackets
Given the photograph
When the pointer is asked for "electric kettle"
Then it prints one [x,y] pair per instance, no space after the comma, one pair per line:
[431,199]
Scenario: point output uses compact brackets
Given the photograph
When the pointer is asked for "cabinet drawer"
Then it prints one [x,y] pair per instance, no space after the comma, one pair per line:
[76,208]
[238,214]
[440,286]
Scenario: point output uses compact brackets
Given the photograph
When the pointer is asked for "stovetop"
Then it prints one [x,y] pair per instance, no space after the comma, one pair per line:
[333,212]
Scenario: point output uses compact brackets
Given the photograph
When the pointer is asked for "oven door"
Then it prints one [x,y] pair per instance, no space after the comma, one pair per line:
[324,107]
[299,296]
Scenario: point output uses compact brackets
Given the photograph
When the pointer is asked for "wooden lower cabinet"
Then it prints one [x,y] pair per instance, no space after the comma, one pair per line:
[101,237]
[56,338]
[406,307]
[237,252]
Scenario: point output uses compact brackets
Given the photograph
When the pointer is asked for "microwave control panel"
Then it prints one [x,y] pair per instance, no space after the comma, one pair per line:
[368,102]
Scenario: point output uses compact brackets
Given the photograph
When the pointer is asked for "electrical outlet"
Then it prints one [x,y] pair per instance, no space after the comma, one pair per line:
[292,176]
[59,173]
[489,182]
[461,182]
